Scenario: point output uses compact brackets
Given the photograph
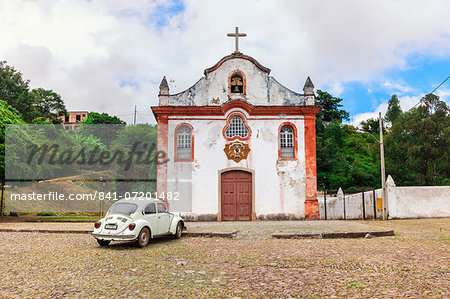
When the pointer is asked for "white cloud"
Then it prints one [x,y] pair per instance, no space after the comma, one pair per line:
[444,94]
[337,89]
[358,118]
[83,50]
[406,103]
[397,88]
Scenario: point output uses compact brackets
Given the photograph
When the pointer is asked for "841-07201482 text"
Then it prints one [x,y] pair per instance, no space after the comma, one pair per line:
[165,196]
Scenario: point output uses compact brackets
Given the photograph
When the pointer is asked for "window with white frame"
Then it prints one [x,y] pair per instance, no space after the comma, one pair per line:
[184,143]
[236,127]
[287,142]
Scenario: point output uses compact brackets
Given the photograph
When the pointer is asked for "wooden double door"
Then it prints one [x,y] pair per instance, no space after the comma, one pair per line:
[236,195]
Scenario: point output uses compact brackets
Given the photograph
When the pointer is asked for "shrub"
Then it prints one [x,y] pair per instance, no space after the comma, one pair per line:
[47,213]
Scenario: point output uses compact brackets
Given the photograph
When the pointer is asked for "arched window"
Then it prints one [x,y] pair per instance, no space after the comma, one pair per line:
[237,83]
[184,143]
[236,127]
[287,142]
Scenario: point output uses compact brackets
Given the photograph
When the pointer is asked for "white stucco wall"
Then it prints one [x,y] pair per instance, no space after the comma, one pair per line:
[418,202]
[402,202]
[279,185]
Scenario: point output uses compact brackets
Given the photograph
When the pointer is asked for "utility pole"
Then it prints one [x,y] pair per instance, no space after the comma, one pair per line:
[101,201]
[383,175]
[135,111]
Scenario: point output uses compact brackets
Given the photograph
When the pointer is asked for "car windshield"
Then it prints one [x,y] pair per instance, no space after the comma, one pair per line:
[123,207]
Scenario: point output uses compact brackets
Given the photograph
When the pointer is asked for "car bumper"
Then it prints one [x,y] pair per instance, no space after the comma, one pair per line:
[111,237]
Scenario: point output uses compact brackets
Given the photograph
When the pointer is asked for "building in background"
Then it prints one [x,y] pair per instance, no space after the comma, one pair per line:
[72,120]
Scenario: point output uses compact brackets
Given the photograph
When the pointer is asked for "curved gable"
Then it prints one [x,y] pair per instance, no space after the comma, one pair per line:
[234,56]
[258,88]
[193,96]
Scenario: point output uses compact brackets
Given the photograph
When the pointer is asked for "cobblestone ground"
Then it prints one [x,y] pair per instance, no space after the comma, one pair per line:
[265,229]
[413,263]
[254,230]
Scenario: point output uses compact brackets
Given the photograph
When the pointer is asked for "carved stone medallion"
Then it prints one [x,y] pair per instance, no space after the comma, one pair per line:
[236,151]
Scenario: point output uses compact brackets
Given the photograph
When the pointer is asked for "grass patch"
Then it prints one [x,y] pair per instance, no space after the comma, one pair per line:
[444,238]
[47,213]
[65,219]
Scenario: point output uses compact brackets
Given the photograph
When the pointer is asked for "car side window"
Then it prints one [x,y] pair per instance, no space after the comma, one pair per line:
[150,209]
[162,208]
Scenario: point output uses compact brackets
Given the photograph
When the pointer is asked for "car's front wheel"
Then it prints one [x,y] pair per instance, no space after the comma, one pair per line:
[179,230]
[144,237]
[103,242]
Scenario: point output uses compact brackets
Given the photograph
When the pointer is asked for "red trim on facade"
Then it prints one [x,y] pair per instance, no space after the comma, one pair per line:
[244,81]
[176,143]
[237,55]
[236,104]
[311,202]
[242,116]
[162,144]
[295,141]
[217,118]
[165,111]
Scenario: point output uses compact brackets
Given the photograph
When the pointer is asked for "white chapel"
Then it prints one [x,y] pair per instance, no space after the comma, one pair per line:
[240,145]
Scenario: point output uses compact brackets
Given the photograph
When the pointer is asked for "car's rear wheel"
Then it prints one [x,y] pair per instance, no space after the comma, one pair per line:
[103,242]
[179,230]
[144,237]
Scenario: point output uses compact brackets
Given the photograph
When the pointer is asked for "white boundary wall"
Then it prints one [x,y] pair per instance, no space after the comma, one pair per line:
[353,205]
[417,202]
[402,202]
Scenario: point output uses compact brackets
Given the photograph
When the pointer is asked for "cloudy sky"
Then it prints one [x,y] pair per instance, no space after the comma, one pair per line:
[108,56]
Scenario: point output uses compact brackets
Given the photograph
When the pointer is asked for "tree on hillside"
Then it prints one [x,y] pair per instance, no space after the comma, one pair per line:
[104,118]
[48,104]
[344,157]
[143,137]
[103,126]
[36,106]
[14,90]
[394,110]
[330,107]
[8,115]
[371,126]
[418,146]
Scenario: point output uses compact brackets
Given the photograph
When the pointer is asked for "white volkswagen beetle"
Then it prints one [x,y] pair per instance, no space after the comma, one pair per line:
[137,219]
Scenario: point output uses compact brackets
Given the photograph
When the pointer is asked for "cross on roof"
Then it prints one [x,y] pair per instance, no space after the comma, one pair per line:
[236,35]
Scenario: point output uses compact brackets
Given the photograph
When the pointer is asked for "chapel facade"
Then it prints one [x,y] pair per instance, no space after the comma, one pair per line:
[240,145]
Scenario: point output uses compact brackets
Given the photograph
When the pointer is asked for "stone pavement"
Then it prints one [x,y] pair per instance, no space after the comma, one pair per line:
[242,230]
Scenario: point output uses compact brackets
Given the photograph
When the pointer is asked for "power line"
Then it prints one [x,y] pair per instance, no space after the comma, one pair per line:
[440,84]
[423,98]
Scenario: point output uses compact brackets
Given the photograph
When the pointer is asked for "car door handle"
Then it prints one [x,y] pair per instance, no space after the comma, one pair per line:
[159,217]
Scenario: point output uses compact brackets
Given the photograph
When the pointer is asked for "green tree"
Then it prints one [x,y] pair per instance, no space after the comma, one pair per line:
[345,158]
[104,118]
[15,91]
[36,106]
[394,110]
[143,137]
[330,107]
[48,105]
[371,125]
[418,146]
[8,115]
[103,126]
